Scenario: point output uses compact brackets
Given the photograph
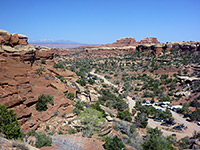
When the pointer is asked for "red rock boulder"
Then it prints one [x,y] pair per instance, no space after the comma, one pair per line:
[125,42]
[23,39]
[4,37]
[149,40]
[14,39]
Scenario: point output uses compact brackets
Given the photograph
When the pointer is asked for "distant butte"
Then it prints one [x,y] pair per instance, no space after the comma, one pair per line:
[129,41]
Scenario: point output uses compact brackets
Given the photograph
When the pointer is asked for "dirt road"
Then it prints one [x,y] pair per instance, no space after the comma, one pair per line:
[131,103]
[102,77]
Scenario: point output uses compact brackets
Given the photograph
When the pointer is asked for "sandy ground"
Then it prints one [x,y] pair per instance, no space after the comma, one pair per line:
[74,142]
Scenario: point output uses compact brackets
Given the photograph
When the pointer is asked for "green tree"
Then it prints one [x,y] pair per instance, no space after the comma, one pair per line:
[42,140]
[124,115]
[41,104]
[91,120]
[114,143]
[9,124]
[141,120]
[156,141]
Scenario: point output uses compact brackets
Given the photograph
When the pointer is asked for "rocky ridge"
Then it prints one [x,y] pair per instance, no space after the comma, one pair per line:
[24,78]
[146,44]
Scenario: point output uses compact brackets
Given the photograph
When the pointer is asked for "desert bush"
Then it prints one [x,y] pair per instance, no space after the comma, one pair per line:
[156,141]
[91,81]
[131,136]
[114,143]
[81,82]
[124,115]
[41,104]
[70,95]
[61,78]
[19,145]
[97,107]
[43,61]
[141,120]
[9,125]
[42,140]
[59,65]
[79,106]
[39,71]
[72,131]
[91,119]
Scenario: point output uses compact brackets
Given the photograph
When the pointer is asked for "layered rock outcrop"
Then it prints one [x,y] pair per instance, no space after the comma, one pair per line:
[16,46]
[22,83]
[158,49]
[12,39]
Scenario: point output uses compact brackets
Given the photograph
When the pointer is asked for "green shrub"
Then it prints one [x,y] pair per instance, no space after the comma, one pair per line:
[91,81]
[9,125]
[124,115]
[42,140]
[114,143]
[70,95]
[141,119]
[31,133]
[156,141]
[91,119]
[39,71]
[72,131]
[19,145]
[43,61]
[61,78]
[81,82]
[41,104]
[60,132]
[79,106]
[59,65]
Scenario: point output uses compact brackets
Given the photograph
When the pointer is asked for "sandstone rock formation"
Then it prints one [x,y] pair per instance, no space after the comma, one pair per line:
[12,39]
[21,83]
[125,42]
[149,40]
[4,37]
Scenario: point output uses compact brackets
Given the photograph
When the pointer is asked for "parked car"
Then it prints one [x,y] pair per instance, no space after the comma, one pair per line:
[186,115]
[198,123]
[169,106]
[180,127]
[158,119]
[152,101]
[159,103]
[168,123]
[144,101]
[148,102]
[164,106]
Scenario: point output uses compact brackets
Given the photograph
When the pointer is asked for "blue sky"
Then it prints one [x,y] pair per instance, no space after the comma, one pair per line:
[102,21]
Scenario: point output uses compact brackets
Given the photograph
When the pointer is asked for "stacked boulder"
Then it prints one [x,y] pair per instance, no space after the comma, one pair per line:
[12,39]
[16,46]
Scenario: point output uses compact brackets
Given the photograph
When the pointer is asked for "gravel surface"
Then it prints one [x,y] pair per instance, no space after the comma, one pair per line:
[64,143]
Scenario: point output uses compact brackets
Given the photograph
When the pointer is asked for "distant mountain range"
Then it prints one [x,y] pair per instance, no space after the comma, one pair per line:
[57,43]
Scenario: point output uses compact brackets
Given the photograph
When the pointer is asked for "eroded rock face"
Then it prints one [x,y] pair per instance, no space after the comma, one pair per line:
[12,39]
[4,37]
[23,39]
[149,40]
[20,87]
[125,42]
